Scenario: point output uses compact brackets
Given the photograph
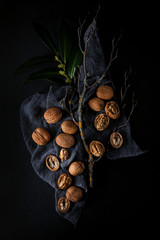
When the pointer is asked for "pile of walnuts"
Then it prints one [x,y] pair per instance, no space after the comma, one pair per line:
[104,94]
[66,140]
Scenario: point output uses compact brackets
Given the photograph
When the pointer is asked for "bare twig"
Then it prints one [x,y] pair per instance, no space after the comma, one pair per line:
[81,25]
[123,90]
[113,57]
[63,100]
[91,32]
[79,31]
[85,87]
[123,93]
[114,52]
[70,107]
[134,104]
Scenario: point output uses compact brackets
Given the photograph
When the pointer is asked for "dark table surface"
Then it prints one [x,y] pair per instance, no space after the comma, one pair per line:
[125,192]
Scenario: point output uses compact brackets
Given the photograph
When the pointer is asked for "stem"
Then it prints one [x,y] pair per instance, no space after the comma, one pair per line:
[80,118]
[134,104]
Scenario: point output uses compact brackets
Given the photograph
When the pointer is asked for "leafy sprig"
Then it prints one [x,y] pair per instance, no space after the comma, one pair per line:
[66,56]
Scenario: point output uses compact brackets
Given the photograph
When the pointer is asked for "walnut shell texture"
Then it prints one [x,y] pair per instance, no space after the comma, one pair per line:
[101,121]
[105,92]
[52,115]
[97,148]
[52,162]
[41,136]
[96,104]
[63,205]
[76,168]
[116,140]
[64,181]
[112,110]
[74,194]
[65,140]
[69,127]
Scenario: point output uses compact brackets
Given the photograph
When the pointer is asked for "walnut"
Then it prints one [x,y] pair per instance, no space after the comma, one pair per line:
[116,140]
[52,163]
[76,168]
[96,104]
[97,148]
[63,155]
[105,92]
[63,205]
[65,140]
[112,110]
[69,127]
[41,136]
[101,122]
[74,194]
[64,181]
[52,115]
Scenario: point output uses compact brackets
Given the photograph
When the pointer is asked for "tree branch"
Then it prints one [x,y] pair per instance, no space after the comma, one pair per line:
[134,104]
[123,90]
[113,57]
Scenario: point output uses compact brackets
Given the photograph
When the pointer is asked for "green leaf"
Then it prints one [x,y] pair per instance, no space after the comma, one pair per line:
[74,61]
[58,81]
[65,40]
[45,37]
[46,74]
[33,62]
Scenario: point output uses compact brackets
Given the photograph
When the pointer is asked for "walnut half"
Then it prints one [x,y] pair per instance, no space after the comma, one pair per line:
[116,140]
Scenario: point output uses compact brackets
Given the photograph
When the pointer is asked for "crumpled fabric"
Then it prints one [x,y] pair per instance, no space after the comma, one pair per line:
[31,117]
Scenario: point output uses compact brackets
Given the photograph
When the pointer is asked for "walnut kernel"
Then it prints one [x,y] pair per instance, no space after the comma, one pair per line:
[97,148]
[101,121]
[116,140]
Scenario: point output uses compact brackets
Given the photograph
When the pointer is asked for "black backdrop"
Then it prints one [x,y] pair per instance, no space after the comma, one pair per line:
[124,189]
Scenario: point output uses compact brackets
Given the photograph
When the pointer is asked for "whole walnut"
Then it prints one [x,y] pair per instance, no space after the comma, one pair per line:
[105,92]
[69,127]
[65,140]
[96,104]
[52,115]
[76,168]
[74,194]
[41,136]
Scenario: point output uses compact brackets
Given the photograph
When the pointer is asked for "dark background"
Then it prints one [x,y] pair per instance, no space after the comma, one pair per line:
[125,192]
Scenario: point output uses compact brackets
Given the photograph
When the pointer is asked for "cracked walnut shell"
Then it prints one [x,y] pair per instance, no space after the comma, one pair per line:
[97,148]
[112,110]
[101,121]
[52,162]
[116,140]
[63,205]
[64,181]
